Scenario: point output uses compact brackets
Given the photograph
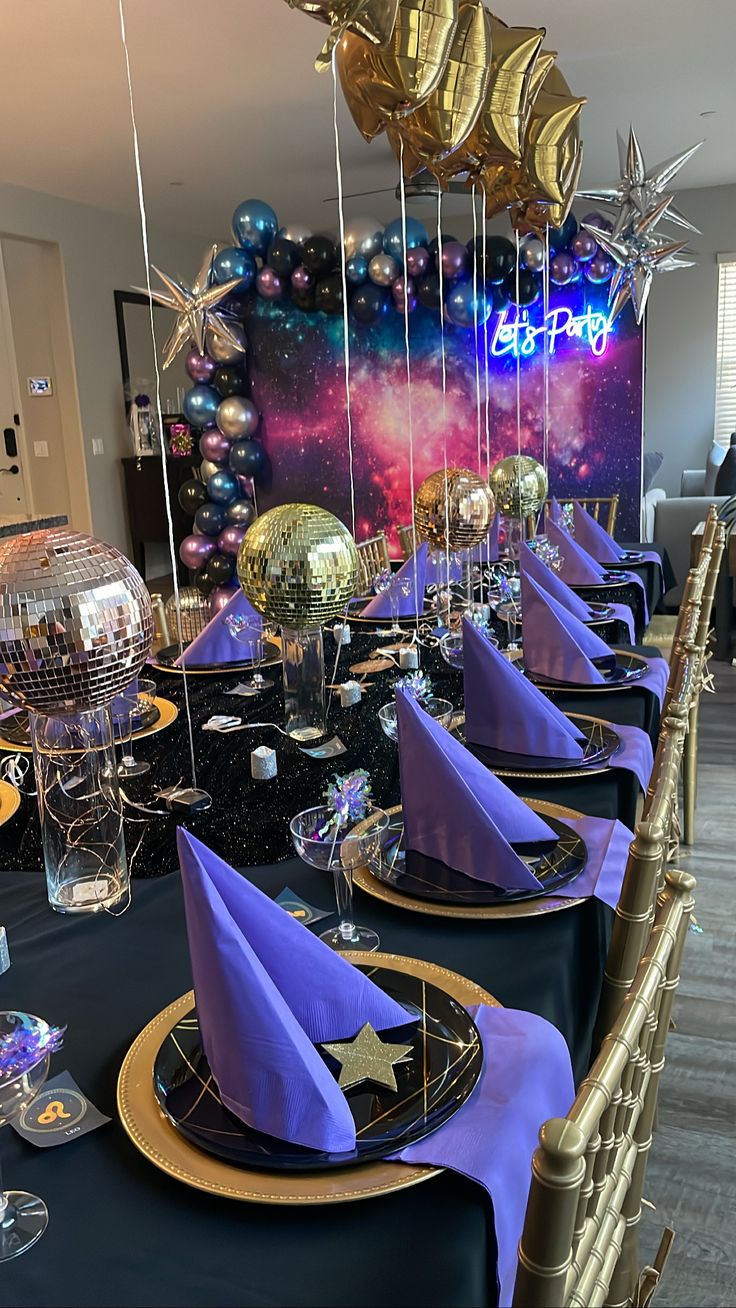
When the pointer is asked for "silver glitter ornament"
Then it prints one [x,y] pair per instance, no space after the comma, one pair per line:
[76,623]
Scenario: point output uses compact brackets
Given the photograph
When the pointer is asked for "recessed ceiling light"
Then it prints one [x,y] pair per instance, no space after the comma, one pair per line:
[708,113]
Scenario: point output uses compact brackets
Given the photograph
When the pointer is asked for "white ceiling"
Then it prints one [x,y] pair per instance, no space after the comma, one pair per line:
[229,104]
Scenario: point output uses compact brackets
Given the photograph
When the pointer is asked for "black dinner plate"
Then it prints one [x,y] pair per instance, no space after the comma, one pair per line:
[166,659]
[355,614]
[420,877]
[601,743]
[16,731]
[599,612]
[614,577]
[447,1056]
[632,556]
[627,669]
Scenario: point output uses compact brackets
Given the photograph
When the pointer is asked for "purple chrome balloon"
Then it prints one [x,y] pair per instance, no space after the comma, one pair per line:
[220,597]
[302,279]
[196,550]
[584,246]
[600,269]
[230,539]
[454,259]
[200,367]
[417,261]
[562,268]
[269,285]
[214,446]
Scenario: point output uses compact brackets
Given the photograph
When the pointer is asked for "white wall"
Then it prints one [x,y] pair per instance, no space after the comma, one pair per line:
[681,340]
[100,252]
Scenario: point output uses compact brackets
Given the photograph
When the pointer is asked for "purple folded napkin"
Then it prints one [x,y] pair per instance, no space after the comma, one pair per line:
[122,704]
[526,1079]
[413,570]
[267,992]
[655,677]
[556,644]
[593,537]
[216,645]
[436,573]
[607,844]
[577,568]
[635,753]
[531,564]
[455,810]
[622,613]
[554,513]
[504,710]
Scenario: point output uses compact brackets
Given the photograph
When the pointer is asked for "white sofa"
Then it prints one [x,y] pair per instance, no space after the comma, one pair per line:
[671,522]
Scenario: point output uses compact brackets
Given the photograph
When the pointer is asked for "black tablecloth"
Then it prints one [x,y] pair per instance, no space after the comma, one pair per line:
[657,577]
[122,1233]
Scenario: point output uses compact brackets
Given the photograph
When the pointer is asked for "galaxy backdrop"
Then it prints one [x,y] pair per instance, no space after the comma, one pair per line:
[298,382]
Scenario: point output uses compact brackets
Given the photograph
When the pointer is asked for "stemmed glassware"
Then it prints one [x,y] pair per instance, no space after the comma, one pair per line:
[319,841]
[399,588]
[23,1217]
[138,697]
[440,709]
[251,633]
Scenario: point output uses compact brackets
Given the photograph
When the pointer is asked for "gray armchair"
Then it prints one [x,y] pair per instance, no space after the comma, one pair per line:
[671,522]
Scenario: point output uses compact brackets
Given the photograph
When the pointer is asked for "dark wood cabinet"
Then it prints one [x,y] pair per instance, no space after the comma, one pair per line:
[144,491]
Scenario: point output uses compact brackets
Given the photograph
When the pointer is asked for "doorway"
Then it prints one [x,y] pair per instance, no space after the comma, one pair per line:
[15,505]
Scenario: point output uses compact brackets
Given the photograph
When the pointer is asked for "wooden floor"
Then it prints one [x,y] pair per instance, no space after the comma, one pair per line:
[692,1172]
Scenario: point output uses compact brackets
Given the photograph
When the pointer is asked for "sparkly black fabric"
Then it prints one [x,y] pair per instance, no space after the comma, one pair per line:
[248,823]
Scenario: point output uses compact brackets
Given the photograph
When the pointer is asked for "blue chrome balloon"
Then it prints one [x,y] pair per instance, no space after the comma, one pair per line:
[356,269]
[200,405]
[393,237]
[234,262]
[210,519]
[560,237]
[222,487]
[464,306]
[254,226]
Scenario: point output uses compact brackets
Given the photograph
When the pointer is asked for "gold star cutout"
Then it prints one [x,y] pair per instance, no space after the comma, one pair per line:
[367,1058]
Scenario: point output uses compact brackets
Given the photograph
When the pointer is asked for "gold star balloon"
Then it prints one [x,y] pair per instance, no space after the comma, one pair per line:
[367,1058]
[499,132]
[196,309]
[373,19]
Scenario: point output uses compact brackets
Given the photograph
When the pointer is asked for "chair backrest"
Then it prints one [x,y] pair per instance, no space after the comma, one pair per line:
[685,638]
[580,1240]
[709,589]
[604,508]
[406,537]
[373,557]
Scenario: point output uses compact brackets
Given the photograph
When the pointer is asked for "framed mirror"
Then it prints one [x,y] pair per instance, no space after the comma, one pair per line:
[136,354]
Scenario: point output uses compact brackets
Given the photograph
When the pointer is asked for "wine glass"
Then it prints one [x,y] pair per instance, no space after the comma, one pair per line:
[440,709]
[339,851]
[23,1217]
[138,697]
[251,632]
[400,588]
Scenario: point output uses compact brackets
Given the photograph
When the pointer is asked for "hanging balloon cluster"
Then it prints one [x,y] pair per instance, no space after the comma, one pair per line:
[463,95]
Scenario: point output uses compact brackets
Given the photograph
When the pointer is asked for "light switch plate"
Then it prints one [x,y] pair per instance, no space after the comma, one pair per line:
[41,449]
[97,445]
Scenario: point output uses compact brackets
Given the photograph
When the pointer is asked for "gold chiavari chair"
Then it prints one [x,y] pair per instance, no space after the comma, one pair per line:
[373,558]
[690,758]
[604,508]
[579,1247]
[406,540]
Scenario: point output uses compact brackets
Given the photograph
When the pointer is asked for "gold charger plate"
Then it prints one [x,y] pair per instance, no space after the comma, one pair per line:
[271,660]
[562,688]
[158,1141]
[564,775]
[363,877]
[9,801]
[167,713]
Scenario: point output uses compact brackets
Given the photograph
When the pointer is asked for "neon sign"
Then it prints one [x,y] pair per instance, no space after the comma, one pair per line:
[519,337]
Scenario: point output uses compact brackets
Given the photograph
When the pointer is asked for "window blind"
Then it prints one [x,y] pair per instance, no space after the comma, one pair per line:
[726,350]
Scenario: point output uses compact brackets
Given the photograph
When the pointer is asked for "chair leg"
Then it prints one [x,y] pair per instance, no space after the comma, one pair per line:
[689,783]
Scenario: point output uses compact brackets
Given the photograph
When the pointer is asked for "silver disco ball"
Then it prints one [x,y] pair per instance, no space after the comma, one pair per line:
[195,614]
[75,621]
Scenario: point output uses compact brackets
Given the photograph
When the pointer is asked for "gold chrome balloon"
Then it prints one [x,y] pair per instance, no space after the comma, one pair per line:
[441,124]
[298,565]
[373,19]
[454,508]
[519,484]
[383,83]
[553,140]
[499,131]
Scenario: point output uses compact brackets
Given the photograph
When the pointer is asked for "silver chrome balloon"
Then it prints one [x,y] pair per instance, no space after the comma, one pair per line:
[230,348]
[237,417]
[363,236]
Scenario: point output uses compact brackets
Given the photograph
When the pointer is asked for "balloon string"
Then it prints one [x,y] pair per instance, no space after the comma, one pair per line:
[167,496]
[408,378]
[443,355]
[545,436]
[485,369]
[475,335]
[518,390]
[343,270]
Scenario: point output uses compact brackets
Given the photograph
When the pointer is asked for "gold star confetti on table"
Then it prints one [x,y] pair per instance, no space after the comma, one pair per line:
[367,1058]
[196,309]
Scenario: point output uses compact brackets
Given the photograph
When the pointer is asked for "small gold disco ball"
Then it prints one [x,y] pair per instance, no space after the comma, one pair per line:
[195,614]
[298,565]
[520,485]
[454,508]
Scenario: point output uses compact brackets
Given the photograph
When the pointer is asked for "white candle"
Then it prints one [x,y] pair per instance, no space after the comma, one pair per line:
[263,763]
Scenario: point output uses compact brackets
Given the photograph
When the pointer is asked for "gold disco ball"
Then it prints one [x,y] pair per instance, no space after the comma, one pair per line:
[520,485]
[76,622]
[454,507]
[195,614]
[298,565]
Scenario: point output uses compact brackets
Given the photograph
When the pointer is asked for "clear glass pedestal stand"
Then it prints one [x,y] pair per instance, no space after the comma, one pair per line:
[303,657]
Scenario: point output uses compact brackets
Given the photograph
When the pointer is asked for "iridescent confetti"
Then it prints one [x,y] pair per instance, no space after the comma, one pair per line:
[22,1049]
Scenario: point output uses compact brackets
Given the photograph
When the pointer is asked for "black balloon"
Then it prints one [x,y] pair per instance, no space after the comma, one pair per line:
[560,237]
[229,380]
[210,518]
[219,569]
[283,256]
[530,287]
[202,581]
[192,495]
[246,457]
[328,293]
[500,298]
[428,291]
[236,306]
[433,246]
[368,303]
[304,299]
[500,259]
[319,255]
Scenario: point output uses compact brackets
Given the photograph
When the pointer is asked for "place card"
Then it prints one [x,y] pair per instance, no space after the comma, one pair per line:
[58,1114]
[297,907]
[329,749]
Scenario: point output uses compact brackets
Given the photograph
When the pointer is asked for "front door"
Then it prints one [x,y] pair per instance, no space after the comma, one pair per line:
[13,496]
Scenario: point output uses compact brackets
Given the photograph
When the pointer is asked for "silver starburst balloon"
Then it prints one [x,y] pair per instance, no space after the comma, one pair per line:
[639,253]
[196,309]
[641,189]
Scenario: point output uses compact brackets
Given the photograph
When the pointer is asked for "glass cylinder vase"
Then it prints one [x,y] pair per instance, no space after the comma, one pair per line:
[80,811]
[304,682]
